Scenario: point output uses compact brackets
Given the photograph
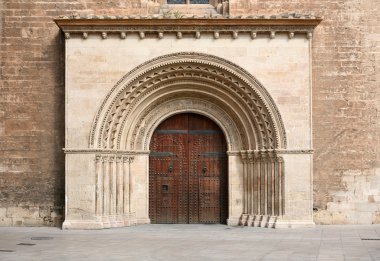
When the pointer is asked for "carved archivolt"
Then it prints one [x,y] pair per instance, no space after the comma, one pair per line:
[159,111]
[182,82]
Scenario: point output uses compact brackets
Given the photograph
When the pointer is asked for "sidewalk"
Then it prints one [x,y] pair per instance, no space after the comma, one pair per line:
[192,242]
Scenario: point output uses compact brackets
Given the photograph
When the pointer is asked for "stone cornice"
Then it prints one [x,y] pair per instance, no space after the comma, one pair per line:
[188,22]
[195,26]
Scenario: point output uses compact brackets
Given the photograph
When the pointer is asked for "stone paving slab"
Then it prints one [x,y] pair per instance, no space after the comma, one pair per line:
[192,242]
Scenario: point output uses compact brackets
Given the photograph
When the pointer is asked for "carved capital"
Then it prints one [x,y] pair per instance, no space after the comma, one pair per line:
[244,155]
[251,156]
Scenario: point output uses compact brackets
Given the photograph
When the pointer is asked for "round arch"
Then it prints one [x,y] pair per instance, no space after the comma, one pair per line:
[188,82]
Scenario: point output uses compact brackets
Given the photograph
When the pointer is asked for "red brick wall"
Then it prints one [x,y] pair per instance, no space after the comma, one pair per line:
[346,119]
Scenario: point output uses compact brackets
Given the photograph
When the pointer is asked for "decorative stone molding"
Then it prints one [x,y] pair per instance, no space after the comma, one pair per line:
[306,151]
[108,180]
[113,194]
[160,110]
[103,151]
[145,82]
[160,26]
[263,184]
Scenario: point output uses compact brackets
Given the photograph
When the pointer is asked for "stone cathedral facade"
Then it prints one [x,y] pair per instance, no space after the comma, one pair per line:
[256,113]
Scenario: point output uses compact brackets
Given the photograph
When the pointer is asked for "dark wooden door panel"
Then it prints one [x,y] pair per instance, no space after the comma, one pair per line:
[188,171]
[167,192]
[209,200]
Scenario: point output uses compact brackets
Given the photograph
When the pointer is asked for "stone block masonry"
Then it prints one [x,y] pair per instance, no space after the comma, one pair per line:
[31,216]
[345,105]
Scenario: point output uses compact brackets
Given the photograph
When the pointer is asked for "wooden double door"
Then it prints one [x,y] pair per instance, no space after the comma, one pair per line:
[188,171]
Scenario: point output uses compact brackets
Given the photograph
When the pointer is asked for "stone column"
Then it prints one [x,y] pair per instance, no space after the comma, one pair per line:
[126,190]
[99,185]
[131,210]
[119,192]
[244,218]
[112,192]
[106,193]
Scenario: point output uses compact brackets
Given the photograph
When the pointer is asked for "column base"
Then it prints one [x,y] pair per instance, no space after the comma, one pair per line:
[106,222]
[244,219]
[130,220]
[233,221]
[265,221]
[117,221]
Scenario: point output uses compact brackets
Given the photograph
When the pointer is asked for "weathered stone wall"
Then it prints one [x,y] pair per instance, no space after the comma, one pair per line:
[346,105]
[32,107]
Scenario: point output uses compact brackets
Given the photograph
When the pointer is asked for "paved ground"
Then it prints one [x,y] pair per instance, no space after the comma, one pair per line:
[192,242]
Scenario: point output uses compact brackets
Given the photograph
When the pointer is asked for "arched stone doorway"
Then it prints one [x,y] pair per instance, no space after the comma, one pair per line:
[123,129]
[209,86]
[188,171]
